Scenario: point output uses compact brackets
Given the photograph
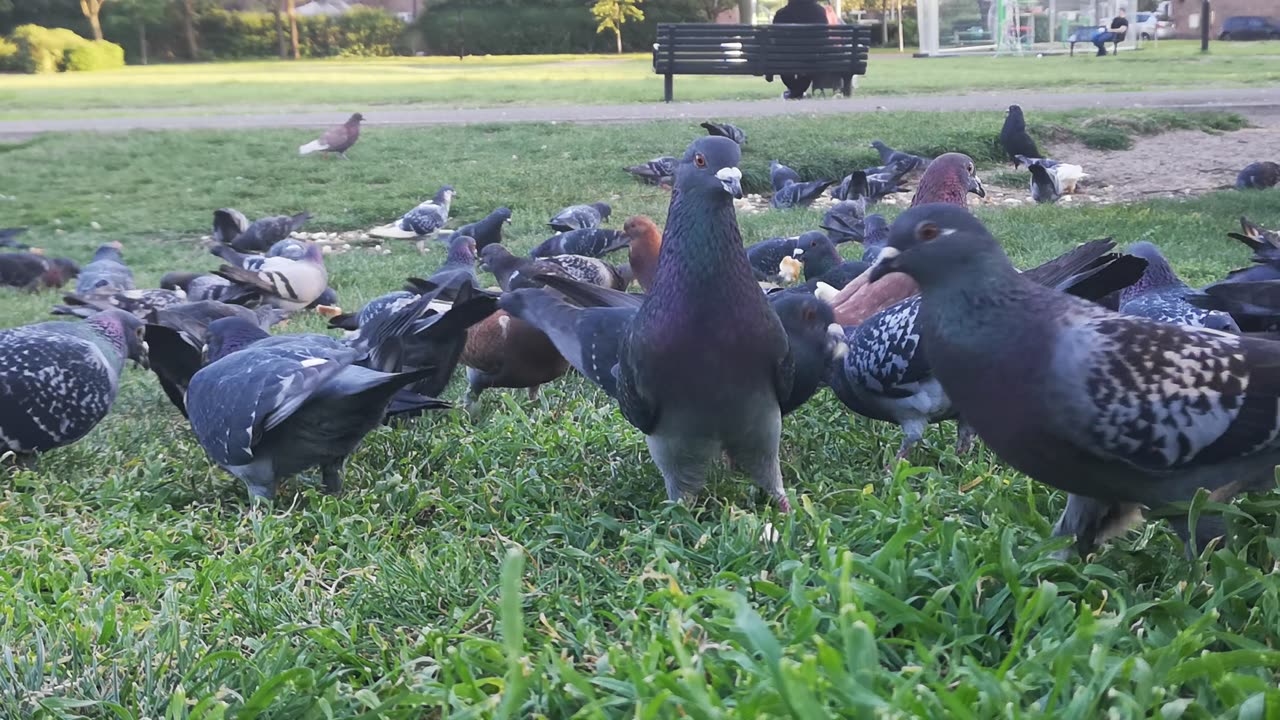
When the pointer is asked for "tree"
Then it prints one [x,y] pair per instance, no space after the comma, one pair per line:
[91,8]
[611,14]
[189,27]
[291,6]
[143,13]
[711,9]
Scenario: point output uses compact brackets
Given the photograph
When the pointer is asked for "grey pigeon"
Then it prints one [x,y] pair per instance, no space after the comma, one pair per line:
[372,309]
[766,255]
[703,365]
[59,379]
[592,242]
[799,194]
[874,184]
[281,282]
[459,266]
[142,304]
[725,130]
[1014,139]
[336,139]
[106,274]
[1161,295]
[488,230]
[265,232]
[1258,176]
[29,271]
[580,217]
[906,162]
[1126,412]
[594,271]
[888,374]
[7,240]
[228,223]
[198,286]
[425,219]
[874,237]
[843,220]
[780,175]
[658,171]
[513,272]
[816,253]
[1044,185]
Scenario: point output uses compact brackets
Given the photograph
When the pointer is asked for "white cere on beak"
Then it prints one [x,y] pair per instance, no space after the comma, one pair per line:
[797,252]
[729,173]
[887,253]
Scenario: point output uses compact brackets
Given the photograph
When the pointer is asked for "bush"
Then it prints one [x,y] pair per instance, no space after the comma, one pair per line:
[8,56]
[43,50]
[94,55]
[367,32]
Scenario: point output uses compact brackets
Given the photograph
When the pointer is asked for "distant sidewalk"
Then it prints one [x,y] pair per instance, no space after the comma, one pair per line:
[1263,100]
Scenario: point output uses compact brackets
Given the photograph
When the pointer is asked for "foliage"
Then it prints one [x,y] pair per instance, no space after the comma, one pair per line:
[524,564]
[8,55]
[360,32]
[611,15]
[44,50]
[94,55]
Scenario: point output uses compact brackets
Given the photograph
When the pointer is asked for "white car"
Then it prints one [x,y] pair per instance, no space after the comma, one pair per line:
[1150,26]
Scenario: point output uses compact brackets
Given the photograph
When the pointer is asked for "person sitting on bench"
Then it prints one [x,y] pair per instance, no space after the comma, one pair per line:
[799,12]
[1119,28]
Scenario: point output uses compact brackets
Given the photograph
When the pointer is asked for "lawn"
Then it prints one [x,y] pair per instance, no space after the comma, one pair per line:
[274,86]
[526,564]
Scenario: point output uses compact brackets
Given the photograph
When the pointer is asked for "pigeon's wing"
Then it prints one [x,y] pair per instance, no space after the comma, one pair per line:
[635,398]
[884,352]
[232,402]
[175,359]
[335,137]
[588,295]
[1163,397]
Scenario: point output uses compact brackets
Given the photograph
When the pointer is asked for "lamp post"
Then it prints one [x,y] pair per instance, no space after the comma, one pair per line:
[1206,19]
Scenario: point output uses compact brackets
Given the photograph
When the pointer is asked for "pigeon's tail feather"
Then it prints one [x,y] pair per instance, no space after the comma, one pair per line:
[345,321]
[1076,260]
[1111,274]
[407,402]
[393,231]
[311,147]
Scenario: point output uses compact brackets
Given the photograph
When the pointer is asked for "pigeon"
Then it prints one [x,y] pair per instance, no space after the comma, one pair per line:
[513,272]
[1125,412]
[1248,294]
[30,271]
[7,236]
[489,230]
[336,140]
[428,217]
[228,223]
[142,304]
[266,408]
[1258,176]
[459,266]
[645,240]
[593,271]
[703,364]
[799,194]
[780,175]
[287,248]
[816,253]
[1256,237]
[733,132]
[592,242]
[843,220]
[580,217]
[176,336]
[1014,138]
[1051,179]
[874,184]
[657,171]
[107,274]
[265,232]
[874,237]
[506,352]
[58,380]
[766,255]
[906,162]
[886,376]
[371,309]
[281,282]
[199,286]
[1161,296]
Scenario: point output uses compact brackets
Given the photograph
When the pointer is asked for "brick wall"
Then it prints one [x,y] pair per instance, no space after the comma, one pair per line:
[1183,10]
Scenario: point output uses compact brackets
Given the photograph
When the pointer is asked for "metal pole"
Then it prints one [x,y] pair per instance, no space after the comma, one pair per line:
[747,12]
[1206,15]
[901,45]
[927,23]
[1053,21]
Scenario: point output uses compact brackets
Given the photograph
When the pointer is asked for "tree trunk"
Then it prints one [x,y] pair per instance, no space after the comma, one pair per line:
[292,6]
[617,34]
[284,48]
[884,25]
[91,8]
[142,40]
[189,28]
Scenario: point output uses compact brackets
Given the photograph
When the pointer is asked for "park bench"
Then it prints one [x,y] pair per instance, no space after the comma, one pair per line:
[761,50]
[1084,34]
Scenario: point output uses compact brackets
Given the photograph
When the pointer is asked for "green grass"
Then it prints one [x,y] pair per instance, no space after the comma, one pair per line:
[274,86]
[525,565]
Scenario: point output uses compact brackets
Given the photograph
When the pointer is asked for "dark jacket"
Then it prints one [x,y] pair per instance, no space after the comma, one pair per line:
[801,12]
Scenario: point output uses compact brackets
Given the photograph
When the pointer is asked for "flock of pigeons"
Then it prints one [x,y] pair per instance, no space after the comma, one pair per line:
[1099,372]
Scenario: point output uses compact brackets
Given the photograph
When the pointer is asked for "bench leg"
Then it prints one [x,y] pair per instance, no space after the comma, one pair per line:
[666,87]
[846,86]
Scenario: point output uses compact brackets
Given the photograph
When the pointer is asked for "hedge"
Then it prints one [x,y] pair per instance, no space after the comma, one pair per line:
[43,50]
[94,55]
[8,55]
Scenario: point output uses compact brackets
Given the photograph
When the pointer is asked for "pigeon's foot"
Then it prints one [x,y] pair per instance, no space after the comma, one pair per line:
[472,405]
[533,392]
[331,479]
[965,439]
[784,504]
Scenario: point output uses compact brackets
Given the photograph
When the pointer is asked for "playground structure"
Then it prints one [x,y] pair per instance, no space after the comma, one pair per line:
[1012,27]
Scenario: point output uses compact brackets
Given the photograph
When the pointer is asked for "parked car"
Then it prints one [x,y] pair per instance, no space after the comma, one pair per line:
[1250,27]
[1151,26]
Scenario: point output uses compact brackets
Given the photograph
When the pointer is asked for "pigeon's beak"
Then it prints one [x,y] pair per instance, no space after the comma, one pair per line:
[144,358]
[731,179]
[797,252]
[886,262]
[975,187]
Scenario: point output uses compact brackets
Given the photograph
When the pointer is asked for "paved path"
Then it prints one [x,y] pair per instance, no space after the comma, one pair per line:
[1247,100]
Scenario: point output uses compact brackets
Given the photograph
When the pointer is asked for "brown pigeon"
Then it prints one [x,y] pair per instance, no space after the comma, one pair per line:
[336,140]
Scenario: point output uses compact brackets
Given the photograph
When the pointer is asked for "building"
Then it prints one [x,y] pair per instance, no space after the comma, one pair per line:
[1185,14]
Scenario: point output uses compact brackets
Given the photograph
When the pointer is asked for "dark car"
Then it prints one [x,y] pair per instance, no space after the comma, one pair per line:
[1250,27]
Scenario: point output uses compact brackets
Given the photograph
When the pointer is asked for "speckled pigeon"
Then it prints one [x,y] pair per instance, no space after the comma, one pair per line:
[371,309]
[265,232]
[799,194]
[513,272]
[843,220]
[488,230]
[703,365]
[282,282]
[1014,138]
[594,271]
[580,217]
[228,223]
[906,162]
[780,175]
[1258,176]
[725,130]
[29,271]
[425,219]
[59,379]
[7,240]
[658,171]
[1126,412]
[337,139]
[106,274]
[1161,295]
[142,304]
[592,242]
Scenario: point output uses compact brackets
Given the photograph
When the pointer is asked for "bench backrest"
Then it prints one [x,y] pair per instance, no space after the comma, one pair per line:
[714,49]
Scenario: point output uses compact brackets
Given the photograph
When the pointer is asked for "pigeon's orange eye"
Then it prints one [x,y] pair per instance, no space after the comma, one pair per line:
[699,160]
[928,231]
